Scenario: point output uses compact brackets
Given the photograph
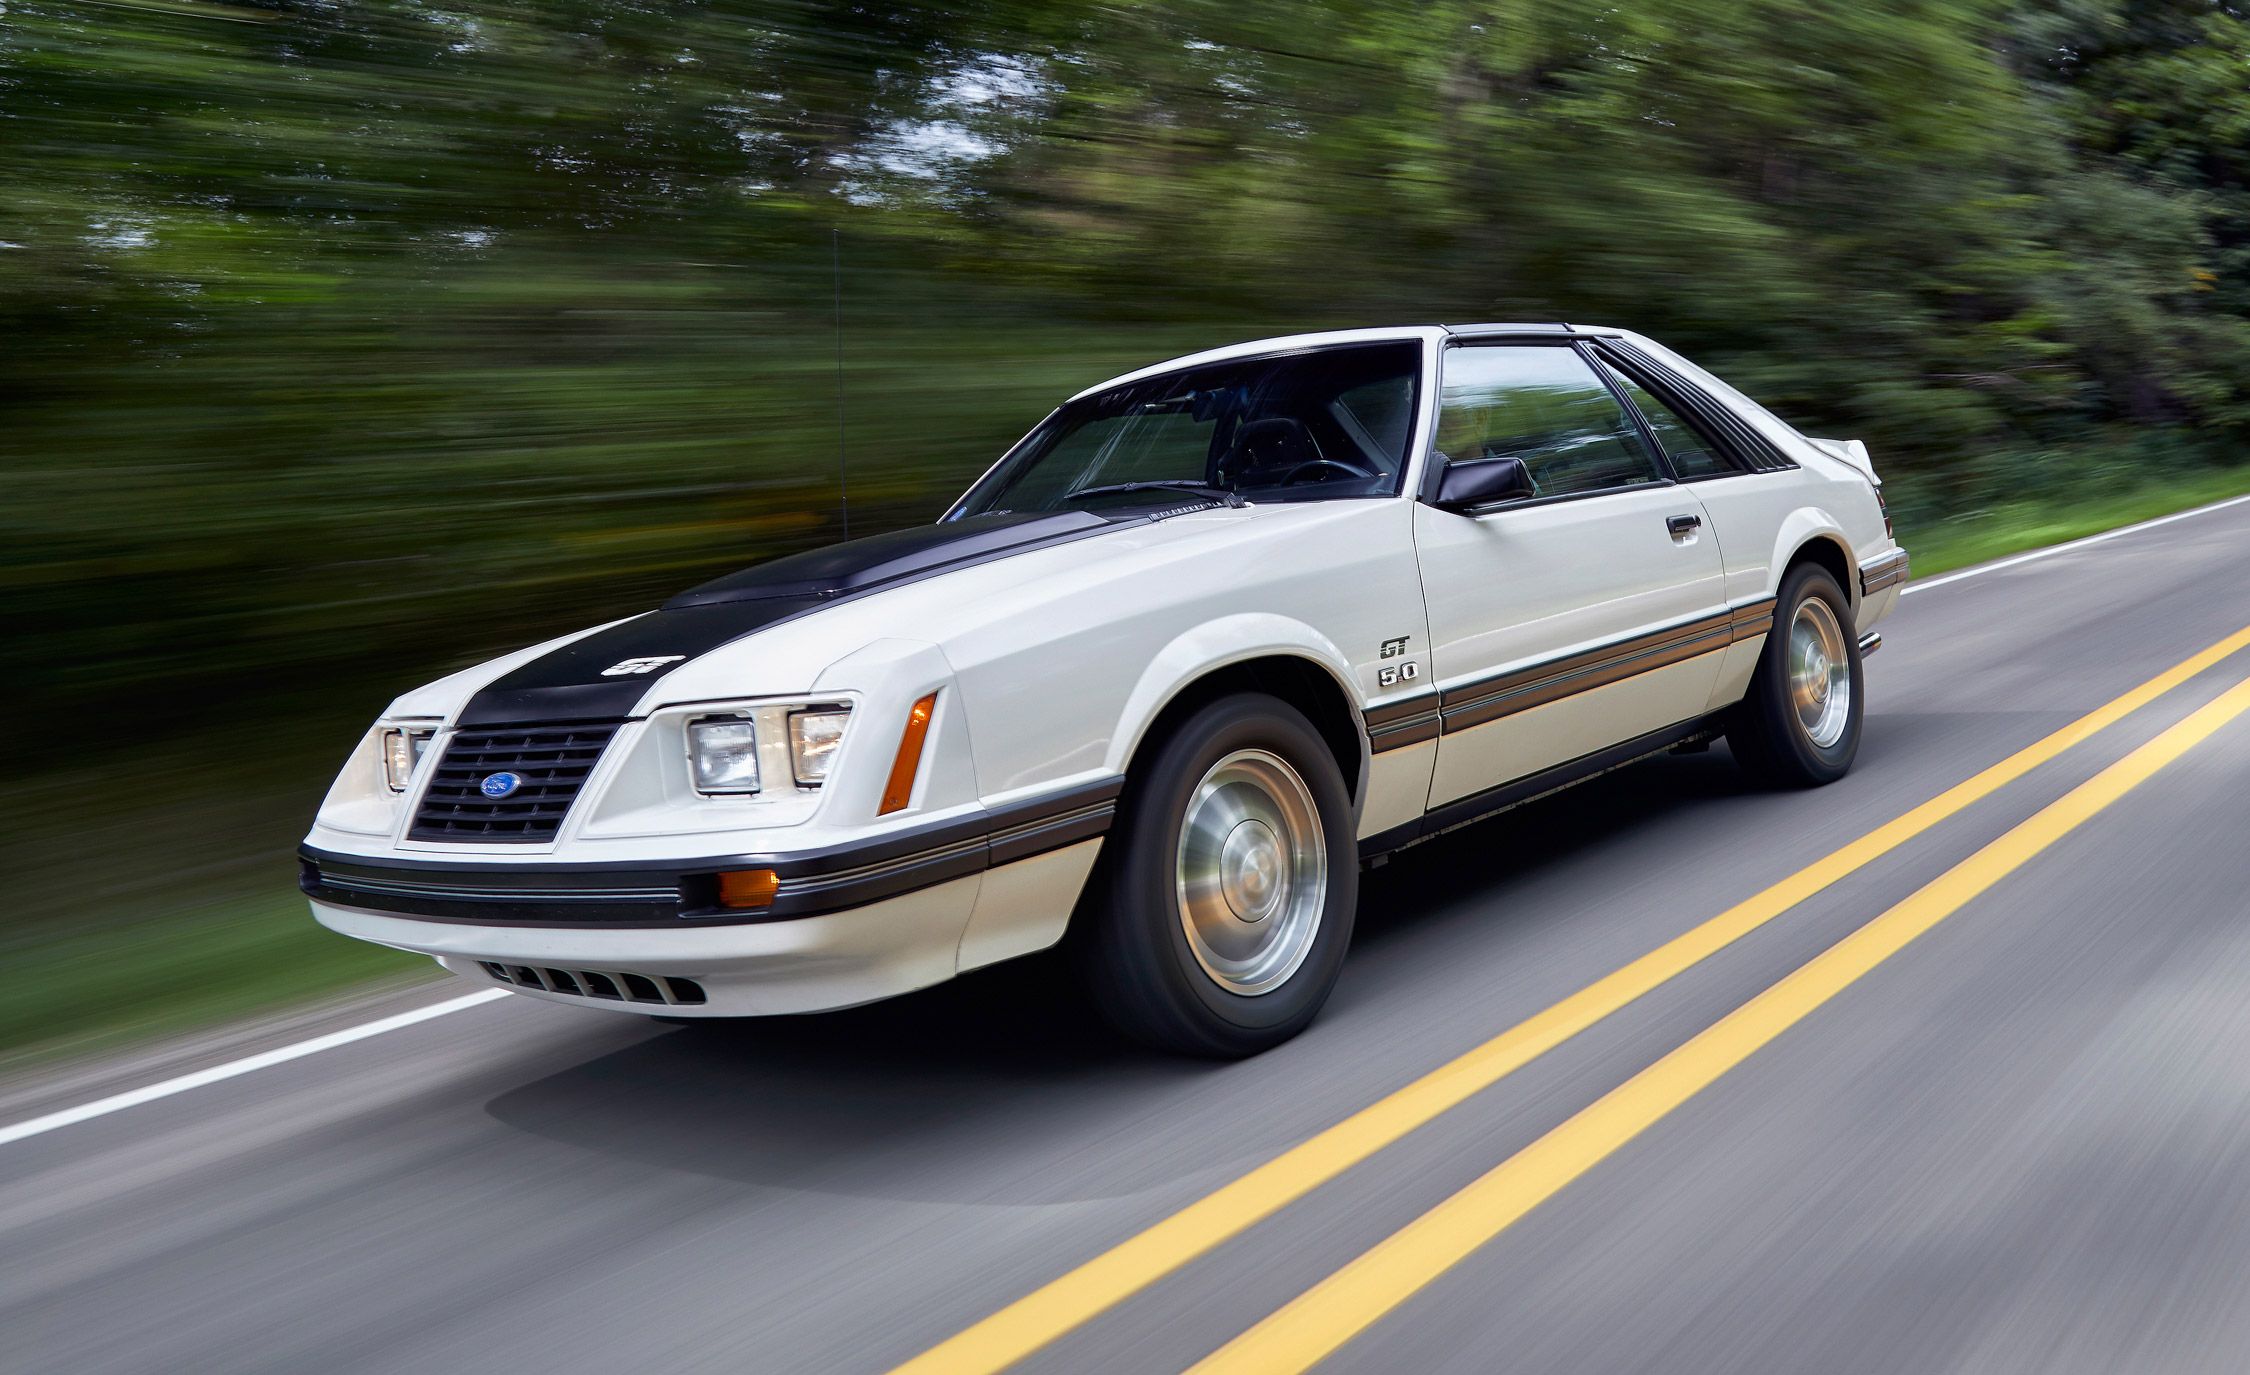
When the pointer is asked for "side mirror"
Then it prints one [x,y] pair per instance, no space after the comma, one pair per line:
[1472,483]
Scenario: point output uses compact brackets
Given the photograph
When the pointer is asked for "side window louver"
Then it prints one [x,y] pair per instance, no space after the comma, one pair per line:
[1745,444]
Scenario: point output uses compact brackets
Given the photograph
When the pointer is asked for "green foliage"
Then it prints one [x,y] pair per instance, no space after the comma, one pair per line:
[209,961]
[342,344]
[351,342]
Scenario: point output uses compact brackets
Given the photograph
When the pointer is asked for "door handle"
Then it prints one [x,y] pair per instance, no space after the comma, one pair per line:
[1683,525]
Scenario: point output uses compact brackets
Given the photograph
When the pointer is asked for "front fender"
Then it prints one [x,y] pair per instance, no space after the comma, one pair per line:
[1209,647]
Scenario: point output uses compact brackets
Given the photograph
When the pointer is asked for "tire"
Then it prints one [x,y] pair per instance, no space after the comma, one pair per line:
[1791,730]
[1239,809]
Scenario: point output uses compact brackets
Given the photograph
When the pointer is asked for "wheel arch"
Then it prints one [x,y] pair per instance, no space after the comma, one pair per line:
[1262,654]
[1810,536]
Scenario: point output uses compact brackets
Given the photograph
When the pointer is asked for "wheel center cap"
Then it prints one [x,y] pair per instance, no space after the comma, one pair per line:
[1813,673]
[1250,870]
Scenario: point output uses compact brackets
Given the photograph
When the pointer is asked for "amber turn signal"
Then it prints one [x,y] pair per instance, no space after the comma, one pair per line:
[748,888]
[900,790]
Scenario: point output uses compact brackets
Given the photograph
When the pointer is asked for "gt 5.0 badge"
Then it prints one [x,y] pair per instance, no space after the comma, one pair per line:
[1406,671]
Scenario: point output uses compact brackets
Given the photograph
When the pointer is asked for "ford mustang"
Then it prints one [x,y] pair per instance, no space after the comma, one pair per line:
[1211,638]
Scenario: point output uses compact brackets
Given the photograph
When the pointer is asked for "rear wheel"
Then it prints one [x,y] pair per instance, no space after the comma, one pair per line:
[1218,919]
[1799,725]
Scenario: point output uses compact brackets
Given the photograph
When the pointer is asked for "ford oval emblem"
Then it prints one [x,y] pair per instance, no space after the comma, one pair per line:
[498,785]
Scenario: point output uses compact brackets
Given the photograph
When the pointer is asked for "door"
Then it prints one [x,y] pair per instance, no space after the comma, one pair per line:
[1583,616]
[1745,499]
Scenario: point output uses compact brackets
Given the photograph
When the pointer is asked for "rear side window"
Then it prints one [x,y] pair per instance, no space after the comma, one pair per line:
[1546,406]
[1723,432]
[1692,455]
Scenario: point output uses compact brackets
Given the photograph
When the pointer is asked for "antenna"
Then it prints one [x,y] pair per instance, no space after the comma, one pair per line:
[843,486]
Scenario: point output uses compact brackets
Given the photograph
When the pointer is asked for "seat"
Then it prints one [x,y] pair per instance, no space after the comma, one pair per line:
[1274,445]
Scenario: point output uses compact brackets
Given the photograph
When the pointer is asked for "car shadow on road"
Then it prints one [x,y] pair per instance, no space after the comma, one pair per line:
[986,1088]
[1477,863]
[912,1098]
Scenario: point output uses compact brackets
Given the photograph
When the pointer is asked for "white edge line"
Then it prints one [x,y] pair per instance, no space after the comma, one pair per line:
[116,1102]
[2053,549]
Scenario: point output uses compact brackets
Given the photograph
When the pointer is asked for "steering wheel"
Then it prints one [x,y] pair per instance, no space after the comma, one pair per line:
[1335,465]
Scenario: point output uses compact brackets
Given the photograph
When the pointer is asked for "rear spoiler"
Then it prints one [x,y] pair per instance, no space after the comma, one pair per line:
[1851,451]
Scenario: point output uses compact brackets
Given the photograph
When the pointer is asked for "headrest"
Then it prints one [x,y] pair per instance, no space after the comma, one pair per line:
[1276,442]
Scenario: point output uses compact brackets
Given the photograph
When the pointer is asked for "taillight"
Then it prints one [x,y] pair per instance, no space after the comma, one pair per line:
[1885,508]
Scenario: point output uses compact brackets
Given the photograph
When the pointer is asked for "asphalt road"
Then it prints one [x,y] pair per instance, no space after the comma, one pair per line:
[2022,1142]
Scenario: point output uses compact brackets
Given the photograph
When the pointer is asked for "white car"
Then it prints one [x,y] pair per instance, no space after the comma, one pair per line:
[1210,638]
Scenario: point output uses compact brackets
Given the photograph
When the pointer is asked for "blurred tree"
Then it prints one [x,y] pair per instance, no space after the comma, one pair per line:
[346,342]
[2151,216]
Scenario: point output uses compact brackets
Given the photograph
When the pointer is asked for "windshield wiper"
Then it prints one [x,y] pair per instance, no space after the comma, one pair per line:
[1218,494]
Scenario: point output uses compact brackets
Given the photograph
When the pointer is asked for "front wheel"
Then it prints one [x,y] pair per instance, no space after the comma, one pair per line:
[1218,918]
[1799,725]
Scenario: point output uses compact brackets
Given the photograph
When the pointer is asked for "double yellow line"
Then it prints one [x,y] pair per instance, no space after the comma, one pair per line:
[1315,1324]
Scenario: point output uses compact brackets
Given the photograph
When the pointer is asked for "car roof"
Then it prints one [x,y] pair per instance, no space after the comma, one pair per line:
[1290,343]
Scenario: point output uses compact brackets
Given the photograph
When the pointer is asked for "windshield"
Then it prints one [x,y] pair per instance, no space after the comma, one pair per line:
[1304,427]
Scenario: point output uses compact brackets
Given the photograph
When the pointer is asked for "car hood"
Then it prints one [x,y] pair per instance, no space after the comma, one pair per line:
[865,565]
[606,672]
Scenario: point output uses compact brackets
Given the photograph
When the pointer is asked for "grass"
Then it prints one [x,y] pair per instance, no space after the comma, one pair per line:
[196,964]
[203,925]
[1996,532]
[156,893]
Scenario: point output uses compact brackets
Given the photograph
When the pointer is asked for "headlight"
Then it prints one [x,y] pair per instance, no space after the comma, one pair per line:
[723,755]
[403,748]
[814,737]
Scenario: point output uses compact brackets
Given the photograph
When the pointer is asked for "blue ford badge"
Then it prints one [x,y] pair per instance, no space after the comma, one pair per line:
[499,784]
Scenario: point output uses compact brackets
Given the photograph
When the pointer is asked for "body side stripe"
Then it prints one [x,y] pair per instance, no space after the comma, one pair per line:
[1412,720]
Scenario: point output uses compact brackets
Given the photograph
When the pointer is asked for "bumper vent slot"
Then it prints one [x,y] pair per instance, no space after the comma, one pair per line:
[615,986]
[550,762]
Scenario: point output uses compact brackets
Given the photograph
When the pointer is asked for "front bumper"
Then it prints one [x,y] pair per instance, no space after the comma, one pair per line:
[848,923]
[733,970]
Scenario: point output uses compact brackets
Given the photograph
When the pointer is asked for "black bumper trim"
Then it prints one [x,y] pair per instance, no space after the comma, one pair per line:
[1402,722]
[685,893]
[1888,571]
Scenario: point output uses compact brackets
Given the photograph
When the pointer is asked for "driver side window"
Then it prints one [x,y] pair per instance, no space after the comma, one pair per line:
[1544,405]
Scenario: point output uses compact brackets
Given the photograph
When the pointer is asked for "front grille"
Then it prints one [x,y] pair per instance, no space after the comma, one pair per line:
[617,986]
[552,761]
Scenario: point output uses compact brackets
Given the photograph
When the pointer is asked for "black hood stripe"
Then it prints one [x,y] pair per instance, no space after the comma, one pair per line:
[573,683]
[585,681]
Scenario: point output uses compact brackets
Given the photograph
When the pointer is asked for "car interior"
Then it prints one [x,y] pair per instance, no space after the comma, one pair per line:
[1327,424]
